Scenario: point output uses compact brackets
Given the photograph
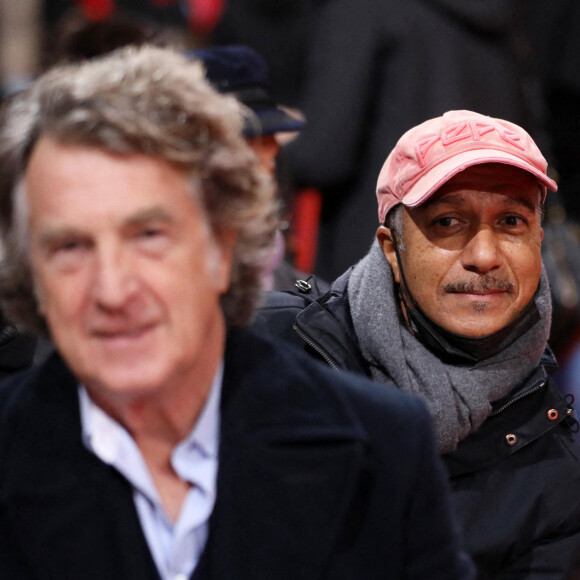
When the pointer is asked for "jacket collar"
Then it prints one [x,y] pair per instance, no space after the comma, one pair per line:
[295,454]
[519,419]
[326,325]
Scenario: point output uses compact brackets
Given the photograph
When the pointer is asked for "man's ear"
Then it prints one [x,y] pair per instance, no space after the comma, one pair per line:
[387,243]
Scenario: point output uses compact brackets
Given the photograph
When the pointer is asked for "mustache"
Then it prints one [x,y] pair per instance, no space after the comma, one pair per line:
[484,284]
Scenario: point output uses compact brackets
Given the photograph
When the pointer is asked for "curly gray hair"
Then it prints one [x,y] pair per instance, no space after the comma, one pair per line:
[151,101]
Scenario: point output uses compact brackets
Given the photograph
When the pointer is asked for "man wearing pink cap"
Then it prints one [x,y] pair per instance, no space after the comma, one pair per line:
[452,304]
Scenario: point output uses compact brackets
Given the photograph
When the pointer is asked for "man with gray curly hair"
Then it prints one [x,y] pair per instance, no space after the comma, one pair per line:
[162,439]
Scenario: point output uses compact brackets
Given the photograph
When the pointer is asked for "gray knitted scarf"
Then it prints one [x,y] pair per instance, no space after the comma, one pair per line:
[459,397]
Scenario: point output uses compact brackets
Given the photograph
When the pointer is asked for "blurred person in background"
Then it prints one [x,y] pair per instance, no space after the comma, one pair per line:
[240,71]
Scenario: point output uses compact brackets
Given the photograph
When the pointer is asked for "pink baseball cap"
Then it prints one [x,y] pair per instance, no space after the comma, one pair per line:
[430,154]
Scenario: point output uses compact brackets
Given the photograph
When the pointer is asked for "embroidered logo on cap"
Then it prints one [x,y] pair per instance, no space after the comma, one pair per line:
[465,130]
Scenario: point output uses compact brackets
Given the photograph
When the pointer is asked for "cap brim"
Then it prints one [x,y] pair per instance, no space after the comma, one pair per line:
[429,183]
[271,120]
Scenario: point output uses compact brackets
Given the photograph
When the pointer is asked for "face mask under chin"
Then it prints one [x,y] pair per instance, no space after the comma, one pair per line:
[456,349]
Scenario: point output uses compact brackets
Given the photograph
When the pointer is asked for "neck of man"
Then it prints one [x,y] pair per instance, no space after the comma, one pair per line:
[160,421]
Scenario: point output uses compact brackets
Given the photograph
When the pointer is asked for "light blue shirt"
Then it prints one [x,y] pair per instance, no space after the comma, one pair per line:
[176,546]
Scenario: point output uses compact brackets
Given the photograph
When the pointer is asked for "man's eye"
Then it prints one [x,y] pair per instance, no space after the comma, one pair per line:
[446,222]
[150,232]
[67,246]
[67,252]
[151,229]
[152,238]
[514,220]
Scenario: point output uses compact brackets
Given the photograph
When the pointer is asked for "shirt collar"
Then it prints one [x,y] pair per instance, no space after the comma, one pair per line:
[109,440]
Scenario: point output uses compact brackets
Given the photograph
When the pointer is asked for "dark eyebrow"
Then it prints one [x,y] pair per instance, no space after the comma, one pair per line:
[522,201]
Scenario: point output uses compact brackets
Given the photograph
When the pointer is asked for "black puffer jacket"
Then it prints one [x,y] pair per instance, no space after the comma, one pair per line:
[515,481]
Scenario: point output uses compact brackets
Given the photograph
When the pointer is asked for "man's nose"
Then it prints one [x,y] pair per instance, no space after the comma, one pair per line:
[115,281]
[482,252]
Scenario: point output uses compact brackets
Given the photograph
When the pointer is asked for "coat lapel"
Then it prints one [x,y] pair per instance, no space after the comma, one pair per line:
[290,463]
